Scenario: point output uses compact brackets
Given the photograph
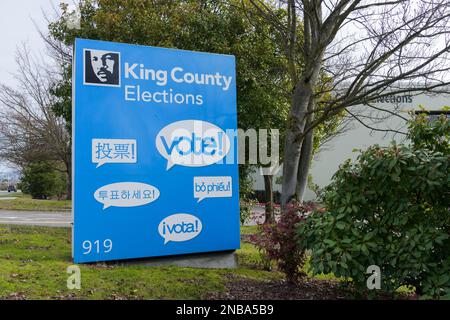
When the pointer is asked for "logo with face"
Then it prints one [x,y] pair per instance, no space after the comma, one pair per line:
[101,68]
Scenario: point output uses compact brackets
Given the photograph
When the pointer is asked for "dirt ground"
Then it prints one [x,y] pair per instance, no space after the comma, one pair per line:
[308,289]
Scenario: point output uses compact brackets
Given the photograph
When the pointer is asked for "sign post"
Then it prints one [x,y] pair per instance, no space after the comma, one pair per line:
[154,152]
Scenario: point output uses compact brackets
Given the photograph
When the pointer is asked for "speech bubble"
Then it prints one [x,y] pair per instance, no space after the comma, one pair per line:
[114,151]
[126,194]
[212,187]
[192,143]
[179,227]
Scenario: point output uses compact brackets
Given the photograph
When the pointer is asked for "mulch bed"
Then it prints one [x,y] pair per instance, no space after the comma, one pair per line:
[238,288]
[308,289]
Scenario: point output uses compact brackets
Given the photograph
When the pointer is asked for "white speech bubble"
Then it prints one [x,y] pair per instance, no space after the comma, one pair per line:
[179,227]
[114,151]
[192,143]
[126,194]
[212,187]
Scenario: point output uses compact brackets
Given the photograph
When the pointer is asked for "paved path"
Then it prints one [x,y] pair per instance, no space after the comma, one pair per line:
[36,218]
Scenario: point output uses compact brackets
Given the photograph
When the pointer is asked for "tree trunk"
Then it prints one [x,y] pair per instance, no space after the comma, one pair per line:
[269,210]
[293,145]
[69,190]
[305,156]
[68,164]
[313,51]
[303,166]
[301,101]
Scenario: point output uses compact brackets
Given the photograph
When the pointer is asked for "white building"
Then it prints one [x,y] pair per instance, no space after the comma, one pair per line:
[357,136]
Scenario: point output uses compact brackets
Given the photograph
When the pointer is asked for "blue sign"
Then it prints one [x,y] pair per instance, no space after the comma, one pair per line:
[154,152]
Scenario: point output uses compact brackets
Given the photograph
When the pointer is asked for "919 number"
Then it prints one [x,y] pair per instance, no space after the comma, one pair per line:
[97,246]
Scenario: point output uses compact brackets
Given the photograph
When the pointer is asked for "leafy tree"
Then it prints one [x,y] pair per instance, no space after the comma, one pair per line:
[210,26]
[390,208]
[41,180]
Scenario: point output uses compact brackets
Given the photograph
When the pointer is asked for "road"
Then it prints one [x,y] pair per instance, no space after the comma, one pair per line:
[64,219]
[36,218]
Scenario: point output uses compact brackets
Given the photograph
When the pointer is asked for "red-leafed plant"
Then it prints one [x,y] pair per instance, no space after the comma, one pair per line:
[279,241]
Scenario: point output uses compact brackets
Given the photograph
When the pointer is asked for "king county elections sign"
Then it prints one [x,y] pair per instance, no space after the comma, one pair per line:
[154,152]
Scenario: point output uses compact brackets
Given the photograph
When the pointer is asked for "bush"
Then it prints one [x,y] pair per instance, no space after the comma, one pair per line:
[391,209]
[41,180]
[279,241]
[431,135]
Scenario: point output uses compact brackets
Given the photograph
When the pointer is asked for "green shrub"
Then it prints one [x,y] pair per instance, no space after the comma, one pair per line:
[389,208]
[431,135]
[41,180]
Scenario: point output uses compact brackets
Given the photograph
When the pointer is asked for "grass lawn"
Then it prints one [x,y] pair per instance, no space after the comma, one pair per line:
[33,263]
[24,202]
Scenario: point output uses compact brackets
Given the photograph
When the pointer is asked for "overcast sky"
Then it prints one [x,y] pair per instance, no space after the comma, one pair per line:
[17,26]
[16,23]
